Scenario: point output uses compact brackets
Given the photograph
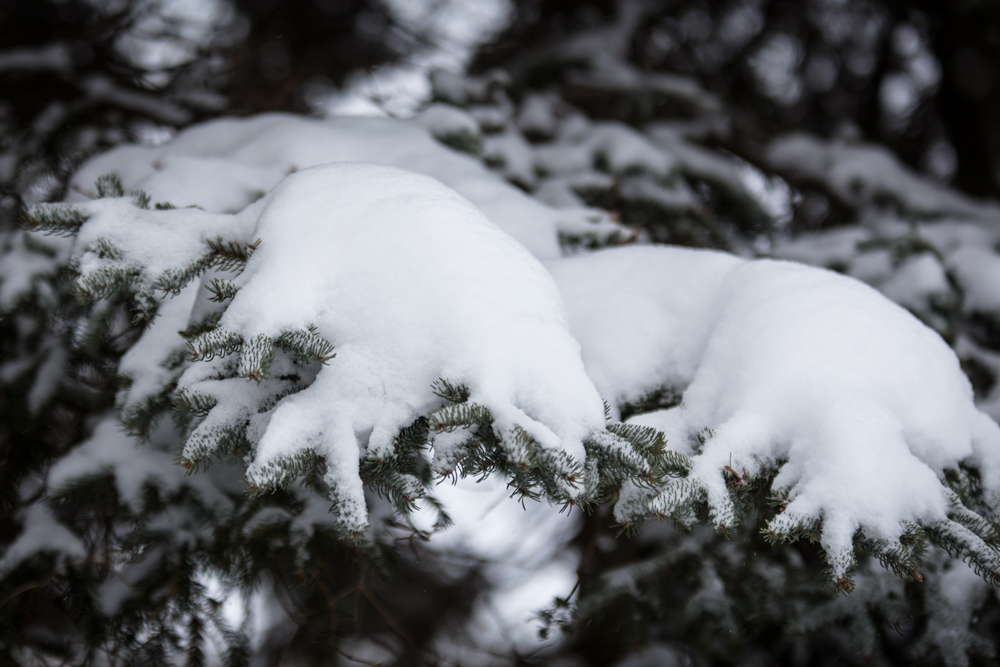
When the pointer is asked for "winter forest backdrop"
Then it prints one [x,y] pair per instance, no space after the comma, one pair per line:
[525,332]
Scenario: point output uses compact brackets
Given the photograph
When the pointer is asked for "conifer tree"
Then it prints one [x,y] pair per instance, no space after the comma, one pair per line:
[235,369]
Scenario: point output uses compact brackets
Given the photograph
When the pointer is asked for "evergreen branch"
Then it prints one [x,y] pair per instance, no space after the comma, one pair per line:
[449,391]
[903,558]
[195,639]
[451,417]
[140,418]
[173,280]
[520,448]
[140,199]
[383,477]
[221,290]
[55,219]
[677,498]
[962,543]
[411,438]
[212,439]
[282,470]
[306,344]
[652,445]
[256,357]
[199,327]
[783,529]
[215,342]
[109,186]
[661,398]
[981,526]
[617,457]
[105,249]
[192,402]
[105,282]
[230,255]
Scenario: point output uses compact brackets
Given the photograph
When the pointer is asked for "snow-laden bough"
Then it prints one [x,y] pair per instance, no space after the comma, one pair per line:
[860,407]
[387,278]
[410,283]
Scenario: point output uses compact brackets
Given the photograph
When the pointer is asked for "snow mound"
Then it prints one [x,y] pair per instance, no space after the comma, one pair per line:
[225,164]
[642,314]
[860,405]
[410,283]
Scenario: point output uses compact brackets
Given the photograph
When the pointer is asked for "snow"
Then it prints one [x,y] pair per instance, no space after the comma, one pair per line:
[537,116]
[252,155]
[48,376]
[787,365]
[147,362]
[42,533]
[109,451]
[622,148]
[564,191]
[151,243]
[872,267]
[417,263]
[411,283]
[22,270]
[524,550]
[862,174]
[514,155]
[636,334]
[828,248]
[977,271]
[916,281]
[445,121]
[861,405]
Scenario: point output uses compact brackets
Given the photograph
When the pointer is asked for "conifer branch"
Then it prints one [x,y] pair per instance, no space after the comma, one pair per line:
[282,471]
[109,186]
[54,219]
[229,255]
[306,344]
[221,290]
[256,357]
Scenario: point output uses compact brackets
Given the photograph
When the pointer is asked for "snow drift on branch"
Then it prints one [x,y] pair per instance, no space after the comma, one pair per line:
[226,164]
[389,278]
[861,406]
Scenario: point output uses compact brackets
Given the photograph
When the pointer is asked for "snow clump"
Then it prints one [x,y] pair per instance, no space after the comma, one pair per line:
[861,405]
[391,279]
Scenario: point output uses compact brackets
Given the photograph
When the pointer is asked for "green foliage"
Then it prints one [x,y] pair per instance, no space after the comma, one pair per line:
[306,344]
[109,186]
[57,219]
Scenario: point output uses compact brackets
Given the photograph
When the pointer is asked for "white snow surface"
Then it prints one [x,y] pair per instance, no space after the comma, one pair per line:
[862,404]
[411,283]
[225,164]
[642,314]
